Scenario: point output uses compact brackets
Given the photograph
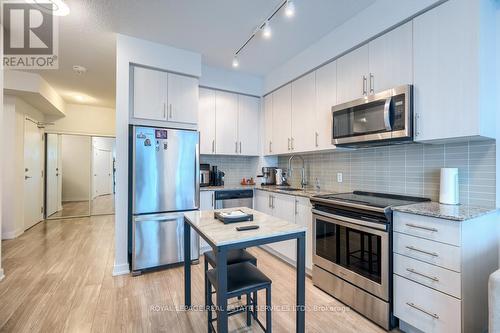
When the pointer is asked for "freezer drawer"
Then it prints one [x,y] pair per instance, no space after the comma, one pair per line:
[158,240]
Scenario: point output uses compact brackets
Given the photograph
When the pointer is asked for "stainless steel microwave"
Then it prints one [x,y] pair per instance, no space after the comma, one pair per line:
[382,118]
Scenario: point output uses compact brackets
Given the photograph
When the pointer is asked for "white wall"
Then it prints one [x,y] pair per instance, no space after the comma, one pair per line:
[75,168]
[85,119]
[380,16]
[230,80]
[14,114]
[1,145]
[135,51]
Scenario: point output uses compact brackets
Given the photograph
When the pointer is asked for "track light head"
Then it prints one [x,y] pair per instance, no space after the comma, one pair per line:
[290,8]
[236,63]
[266,30]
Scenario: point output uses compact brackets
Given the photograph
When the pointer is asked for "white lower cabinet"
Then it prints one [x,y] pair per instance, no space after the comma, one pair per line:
[290,208]
[440,287]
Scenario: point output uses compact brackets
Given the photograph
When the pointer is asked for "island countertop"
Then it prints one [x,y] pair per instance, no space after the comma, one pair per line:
[220,234]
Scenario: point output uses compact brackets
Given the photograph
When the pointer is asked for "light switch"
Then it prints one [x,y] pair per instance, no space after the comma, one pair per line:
[339,177]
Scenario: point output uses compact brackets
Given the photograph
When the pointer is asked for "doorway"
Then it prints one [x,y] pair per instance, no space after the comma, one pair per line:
[103,171]
[33,175]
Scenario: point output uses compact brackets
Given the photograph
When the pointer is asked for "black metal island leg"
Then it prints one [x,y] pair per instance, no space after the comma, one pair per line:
[301,283]
[187,264]
[222,290]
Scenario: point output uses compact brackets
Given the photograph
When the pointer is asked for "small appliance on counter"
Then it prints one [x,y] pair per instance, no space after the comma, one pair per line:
[204,175]
[448,189]
[281,177]
[268,176]
[216,176]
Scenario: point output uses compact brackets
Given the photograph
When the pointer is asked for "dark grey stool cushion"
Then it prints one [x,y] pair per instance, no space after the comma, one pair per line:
[241,277]
[233,257]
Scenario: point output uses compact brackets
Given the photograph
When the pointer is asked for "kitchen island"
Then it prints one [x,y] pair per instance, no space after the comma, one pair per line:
[224,237]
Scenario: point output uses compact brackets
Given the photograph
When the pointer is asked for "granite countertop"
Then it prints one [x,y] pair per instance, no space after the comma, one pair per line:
[221,234]
[307,192]
[447,212]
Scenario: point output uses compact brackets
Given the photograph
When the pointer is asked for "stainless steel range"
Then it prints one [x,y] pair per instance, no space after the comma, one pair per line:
[352,250]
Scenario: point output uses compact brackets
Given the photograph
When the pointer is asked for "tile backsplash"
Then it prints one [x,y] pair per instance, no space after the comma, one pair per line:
[411,169]
[235,167]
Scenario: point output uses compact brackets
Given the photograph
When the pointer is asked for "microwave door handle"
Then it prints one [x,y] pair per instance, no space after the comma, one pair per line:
[387,114]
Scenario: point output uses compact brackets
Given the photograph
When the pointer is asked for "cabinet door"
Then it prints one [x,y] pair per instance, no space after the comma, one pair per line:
[445,62]
[282,120]
[182,99]
[268,125]
[303,217]
[352,75]
[284,208]
[391,59]
[263,202]
[303,113]
[226,123]
[326,97]
[149,94]
[207,200]
[248,125]
[206,116]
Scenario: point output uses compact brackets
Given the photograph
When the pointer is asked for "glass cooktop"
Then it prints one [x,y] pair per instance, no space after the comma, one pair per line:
[380,200]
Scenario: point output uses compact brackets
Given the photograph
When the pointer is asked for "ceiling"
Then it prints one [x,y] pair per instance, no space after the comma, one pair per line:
[215,28]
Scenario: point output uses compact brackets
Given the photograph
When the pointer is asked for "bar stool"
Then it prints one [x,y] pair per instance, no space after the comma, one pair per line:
[242,279]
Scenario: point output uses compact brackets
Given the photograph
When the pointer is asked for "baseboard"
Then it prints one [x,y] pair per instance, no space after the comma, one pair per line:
[12,234]
[1,274]
[121,269]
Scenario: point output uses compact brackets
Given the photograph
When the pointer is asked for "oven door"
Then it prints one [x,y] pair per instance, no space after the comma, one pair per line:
[355,250]
[382,116]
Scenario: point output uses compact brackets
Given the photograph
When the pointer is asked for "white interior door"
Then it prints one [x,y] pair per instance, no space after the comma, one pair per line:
[102,176]
[32,174]
[53,199]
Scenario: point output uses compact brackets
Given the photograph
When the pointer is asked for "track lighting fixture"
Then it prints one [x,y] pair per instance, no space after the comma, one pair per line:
[266,30]
[290,8]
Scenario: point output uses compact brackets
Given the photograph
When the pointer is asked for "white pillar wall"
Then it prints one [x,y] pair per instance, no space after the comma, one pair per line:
[1,144]
[129,51]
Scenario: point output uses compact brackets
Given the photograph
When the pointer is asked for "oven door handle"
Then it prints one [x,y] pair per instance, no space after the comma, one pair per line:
[351,220]
[387,114]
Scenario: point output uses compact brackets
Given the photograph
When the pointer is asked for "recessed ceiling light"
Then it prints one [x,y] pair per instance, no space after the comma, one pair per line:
[54,7]
[266,30]
[80,70]
[79,98]
[290,8]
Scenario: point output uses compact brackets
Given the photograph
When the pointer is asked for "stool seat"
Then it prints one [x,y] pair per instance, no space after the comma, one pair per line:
[233,257]
[241,278]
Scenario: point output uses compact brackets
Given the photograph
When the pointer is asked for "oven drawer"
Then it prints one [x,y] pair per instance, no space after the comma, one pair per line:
[427,227]
[439,254]
[424,308]
[429,275]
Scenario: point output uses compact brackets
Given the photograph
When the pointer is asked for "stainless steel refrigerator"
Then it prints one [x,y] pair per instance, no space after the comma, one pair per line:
[165,183]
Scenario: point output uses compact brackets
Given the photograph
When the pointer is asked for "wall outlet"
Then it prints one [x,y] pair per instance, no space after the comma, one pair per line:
[339,177]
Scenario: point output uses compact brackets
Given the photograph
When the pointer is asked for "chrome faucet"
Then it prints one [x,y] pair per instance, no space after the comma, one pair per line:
[303,182]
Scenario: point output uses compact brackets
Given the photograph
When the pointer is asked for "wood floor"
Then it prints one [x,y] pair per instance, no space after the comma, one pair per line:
[103,204]
[58,278]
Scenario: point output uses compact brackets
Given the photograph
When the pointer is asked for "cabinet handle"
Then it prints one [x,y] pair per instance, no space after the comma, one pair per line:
[236,147]
[288,143]
[433,315]
[316,139]
[269,201]
[213,200]
[433,278]
[372,83]
[164,110]
[417,117]
[292,143]
[240,147]
[296,206]
[213,146]
[421,227]
[433,254]
[364,85]
[170,111]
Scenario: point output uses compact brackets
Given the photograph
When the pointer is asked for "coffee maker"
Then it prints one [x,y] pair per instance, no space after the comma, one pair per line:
[216,176]
[204,175]
[268,176]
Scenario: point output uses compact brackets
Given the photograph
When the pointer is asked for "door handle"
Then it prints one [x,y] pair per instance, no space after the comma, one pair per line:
[387,114]
[27,177]
[364,85]
[170,111]
[372,83]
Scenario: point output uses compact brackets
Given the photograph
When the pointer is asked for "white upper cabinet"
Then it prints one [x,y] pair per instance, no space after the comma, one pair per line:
[165,96]
[391,59]
[149,94]
[248,125]
[182,99]
[352,75]
[326,97]
[226,134]
[268,125]
[282,120]
[453,76]
[303,113]
[206,118]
